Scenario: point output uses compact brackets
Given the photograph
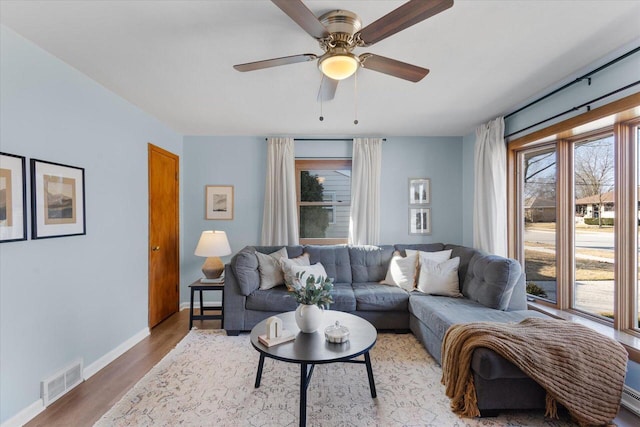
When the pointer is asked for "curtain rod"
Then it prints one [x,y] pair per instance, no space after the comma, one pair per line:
[323,139]
[586,104]
[579,79]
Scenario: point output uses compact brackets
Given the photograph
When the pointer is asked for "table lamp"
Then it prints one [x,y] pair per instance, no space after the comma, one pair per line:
[213,244]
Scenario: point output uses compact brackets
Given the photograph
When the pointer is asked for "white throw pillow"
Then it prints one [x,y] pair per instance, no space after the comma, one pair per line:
[438,256]
[440,278]
[402,272]
[317,270]
[286,264]
[269,268]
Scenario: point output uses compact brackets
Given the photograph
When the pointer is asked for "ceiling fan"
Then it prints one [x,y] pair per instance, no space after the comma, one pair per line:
[339,32]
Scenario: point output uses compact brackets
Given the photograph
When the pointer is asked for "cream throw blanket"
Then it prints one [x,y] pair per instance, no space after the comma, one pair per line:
[578,367]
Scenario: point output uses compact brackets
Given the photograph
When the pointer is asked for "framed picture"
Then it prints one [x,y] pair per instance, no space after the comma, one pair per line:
[419,191]
[219,202]
[419,220]
[13,198]
[57,200]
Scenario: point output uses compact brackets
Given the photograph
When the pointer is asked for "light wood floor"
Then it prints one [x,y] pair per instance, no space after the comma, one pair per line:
[86,403]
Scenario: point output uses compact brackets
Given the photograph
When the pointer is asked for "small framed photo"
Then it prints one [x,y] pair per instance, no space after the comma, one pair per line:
[57,200]
[13,198]
[219,202]
[419,220]
[419,191]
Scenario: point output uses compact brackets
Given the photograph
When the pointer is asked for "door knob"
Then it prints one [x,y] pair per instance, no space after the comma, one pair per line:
[155,248]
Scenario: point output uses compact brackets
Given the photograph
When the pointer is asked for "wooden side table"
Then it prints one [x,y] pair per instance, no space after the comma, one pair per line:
[202,287]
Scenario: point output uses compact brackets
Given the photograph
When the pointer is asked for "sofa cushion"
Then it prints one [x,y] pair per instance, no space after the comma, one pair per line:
[369,263]
[334,258]
[490,280]
[274,299]
[439,313]
[343,297]
[245,267]
[269,268]
[373,296]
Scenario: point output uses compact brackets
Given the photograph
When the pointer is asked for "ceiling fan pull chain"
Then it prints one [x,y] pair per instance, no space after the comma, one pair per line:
[321,97]
[355,98]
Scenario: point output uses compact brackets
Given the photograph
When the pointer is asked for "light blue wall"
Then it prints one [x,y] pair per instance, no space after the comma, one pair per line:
[81,296]
[241,162]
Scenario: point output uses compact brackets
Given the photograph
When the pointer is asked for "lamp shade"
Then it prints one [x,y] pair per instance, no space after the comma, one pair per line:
[213,243]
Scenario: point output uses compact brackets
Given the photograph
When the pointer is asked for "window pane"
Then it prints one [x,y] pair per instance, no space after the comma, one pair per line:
[331,189]
[539,209]
[593,291]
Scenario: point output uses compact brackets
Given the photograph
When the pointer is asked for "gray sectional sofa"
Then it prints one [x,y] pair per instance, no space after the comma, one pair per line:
[493,289]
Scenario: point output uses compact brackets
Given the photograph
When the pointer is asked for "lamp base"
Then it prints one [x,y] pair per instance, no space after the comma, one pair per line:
[213,267]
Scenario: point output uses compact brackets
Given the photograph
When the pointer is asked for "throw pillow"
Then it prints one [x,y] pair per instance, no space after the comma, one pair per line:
[269,268]
[286,264]
[440,278]
[438,256]
[317,270]
[402,271]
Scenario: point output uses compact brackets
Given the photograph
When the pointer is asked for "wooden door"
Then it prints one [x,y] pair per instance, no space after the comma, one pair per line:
[164,234]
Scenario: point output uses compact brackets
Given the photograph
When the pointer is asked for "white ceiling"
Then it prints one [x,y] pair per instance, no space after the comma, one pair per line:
[174,59]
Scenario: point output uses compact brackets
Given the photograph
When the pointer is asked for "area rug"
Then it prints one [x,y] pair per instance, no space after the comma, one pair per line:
[208,380]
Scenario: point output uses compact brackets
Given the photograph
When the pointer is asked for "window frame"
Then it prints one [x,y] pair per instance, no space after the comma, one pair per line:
[320,164]
[621,117]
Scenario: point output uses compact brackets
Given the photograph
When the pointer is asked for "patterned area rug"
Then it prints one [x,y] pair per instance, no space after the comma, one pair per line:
[208,380]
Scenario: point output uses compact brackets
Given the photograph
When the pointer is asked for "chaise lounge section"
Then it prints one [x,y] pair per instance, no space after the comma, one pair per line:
[492,288]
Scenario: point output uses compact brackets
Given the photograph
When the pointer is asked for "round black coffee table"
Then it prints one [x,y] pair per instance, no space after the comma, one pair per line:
[312,349]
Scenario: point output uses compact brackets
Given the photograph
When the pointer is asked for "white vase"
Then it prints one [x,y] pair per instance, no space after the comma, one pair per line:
[308,317]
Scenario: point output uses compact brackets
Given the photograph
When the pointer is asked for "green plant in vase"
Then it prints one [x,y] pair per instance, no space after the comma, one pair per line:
[314,291]
[313,296]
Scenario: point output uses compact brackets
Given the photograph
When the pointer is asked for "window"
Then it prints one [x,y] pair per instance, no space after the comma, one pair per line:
[324,200]
[594,185]
[575,222]
[537,169]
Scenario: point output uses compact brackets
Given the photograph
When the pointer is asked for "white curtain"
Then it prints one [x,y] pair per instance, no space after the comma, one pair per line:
[280,217]
[364,224]
[490,200]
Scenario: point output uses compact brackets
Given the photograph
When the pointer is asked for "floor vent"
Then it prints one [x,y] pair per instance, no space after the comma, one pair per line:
[58,384]
[631,399]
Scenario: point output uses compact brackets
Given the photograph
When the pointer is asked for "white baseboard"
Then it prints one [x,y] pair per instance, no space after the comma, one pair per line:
[24,416]
[31,411]
[90,370]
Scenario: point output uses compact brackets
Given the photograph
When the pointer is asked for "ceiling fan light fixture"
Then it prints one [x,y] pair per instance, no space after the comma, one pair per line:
[338,66]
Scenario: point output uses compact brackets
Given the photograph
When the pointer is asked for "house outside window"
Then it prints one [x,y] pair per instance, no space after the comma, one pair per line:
[324,200]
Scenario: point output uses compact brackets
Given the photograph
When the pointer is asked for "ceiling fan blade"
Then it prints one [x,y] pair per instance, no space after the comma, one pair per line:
[268,63]
[327,89]
[408,14]
[393,67]
[297,11]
